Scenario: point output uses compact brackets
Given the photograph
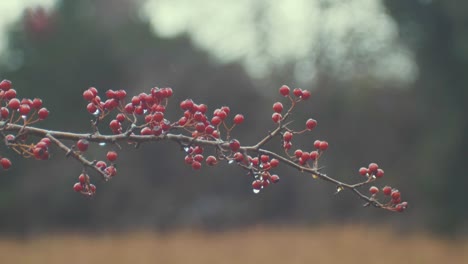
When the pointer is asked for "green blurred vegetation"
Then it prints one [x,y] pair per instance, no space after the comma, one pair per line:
[418,134]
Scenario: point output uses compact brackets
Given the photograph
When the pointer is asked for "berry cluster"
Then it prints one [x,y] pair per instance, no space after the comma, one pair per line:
[373,172]
[25,112]
[204,138]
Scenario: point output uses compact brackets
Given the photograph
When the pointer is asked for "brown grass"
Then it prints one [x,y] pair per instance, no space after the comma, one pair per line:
[325,245]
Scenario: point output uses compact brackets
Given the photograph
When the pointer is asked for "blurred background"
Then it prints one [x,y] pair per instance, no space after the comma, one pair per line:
[388,81]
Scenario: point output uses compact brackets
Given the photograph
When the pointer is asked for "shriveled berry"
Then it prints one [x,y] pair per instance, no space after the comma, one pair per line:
[111,156]
[311,123]
[82,144]
[238,119]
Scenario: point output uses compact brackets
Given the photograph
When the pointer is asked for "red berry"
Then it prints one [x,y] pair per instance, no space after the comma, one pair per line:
[120,117]
[221,114]
[5,163]
[211,160]
[10,94]
[78,187]
[278,107]
[110,94]
[287,136]
[317,144]
[82,144]
[4,112]
[37,103]
[387,190]
[323,145]
[287,145]
[234,145]
[83,178]
[91,108]
[111,171]
[276,117]
[111,156]
[101,165]
[363,171]
[373,190]
[115,125]
[24,109]
[305,156]
[257,184]
[216,120]
[93,90]
[186,104]
[196,165]
[297,92]
[88,95]
[305,95]
[14,104]
[274,178]
[395,194]
[284,90]
[314,155]
[238,119]
[238,157]
[264,158]
[274,163]
[311,124]
[92,188]
[298,153]
[146,131]
[43,113]
[5,85]
[373,167]
[379,173]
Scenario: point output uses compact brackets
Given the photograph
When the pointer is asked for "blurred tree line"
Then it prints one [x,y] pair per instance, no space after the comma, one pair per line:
[418,135]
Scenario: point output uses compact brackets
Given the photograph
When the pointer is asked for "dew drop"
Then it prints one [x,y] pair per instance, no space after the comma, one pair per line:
[256,191]
[97,112]
[186,149]
[102,144]
[24,117]
[230,161]
[145,111]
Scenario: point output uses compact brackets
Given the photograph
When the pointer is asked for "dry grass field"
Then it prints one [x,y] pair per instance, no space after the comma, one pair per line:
[348,245]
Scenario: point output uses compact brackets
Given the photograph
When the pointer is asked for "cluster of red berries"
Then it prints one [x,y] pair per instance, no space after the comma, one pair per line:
[84,186]
[372,172]
[262,166]
[24,107]
[30,111]
[41,149]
